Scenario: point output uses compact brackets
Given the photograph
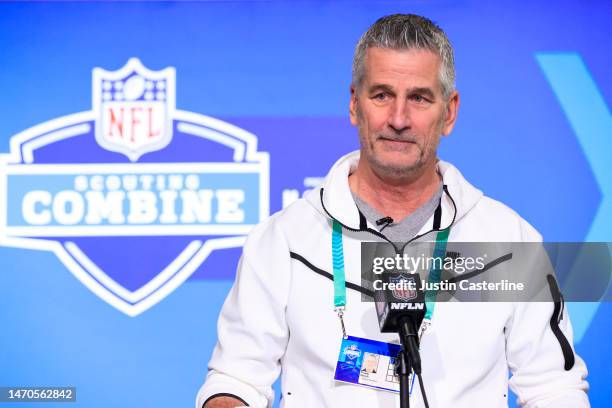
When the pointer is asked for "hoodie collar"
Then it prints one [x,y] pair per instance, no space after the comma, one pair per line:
[338,202]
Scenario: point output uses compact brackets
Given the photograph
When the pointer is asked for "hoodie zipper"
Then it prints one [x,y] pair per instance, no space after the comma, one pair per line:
[363,224]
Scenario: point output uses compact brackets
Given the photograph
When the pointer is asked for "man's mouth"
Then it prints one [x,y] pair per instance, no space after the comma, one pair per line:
[395,140]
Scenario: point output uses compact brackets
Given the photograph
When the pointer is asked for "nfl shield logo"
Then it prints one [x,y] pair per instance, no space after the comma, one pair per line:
[407,291]
[134,108]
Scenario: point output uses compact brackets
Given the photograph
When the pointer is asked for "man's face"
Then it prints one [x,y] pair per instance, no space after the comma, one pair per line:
[400,111]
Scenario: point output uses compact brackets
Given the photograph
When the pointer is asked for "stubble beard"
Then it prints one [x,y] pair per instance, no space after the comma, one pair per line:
[399,171]
[395,172]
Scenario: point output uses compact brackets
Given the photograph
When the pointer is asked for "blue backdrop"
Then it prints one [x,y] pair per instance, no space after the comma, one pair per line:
[534,131]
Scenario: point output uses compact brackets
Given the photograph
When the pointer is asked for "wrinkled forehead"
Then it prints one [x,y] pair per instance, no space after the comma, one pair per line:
[413,67]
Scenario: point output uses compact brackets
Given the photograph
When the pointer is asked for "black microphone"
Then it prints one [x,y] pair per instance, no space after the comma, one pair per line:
[400,307]
[384,220]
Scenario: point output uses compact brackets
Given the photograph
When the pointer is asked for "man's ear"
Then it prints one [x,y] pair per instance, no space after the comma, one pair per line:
[451,113]
[353,105]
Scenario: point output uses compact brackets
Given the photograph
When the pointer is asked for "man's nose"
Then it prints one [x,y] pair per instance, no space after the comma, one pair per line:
[399,116]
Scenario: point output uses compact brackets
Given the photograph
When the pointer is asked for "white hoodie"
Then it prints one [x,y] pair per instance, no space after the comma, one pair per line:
[279,314]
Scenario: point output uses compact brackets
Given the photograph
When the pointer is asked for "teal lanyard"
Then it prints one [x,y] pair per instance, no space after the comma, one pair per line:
[340,280]
[338,263]
[436,271]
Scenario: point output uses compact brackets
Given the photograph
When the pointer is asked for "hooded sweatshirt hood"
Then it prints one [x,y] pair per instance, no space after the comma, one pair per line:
[335,198]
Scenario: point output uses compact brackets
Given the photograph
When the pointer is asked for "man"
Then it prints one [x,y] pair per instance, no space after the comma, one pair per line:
[281,316]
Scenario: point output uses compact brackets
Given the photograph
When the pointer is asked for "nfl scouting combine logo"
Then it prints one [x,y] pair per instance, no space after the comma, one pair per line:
[133,195]
[352,352]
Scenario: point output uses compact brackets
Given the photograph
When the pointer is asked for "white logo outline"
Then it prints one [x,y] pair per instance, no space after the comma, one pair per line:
[22,149]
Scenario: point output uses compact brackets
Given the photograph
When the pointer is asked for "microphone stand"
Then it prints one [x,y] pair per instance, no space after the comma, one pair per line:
[403,372]
[408,358]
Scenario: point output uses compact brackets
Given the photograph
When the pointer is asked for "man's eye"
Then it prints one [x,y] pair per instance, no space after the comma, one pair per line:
[418,98]
[380,96]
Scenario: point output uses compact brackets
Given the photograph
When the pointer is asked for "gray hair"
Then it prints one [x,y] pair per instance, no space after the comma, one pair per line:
[405,32]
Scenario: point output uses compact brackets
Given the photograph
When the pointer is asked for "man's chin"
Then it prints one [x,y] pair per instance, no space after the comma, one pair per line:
[407,156]
[400,160]
[397,170]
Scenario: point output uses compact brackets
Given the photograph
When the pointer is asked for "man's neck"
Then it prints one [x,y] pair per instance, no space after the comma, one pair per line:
[392,197]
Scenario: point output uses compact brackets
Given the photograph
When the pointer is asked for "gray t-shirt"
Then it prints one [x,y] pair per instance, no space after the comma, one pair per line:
[406,229]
